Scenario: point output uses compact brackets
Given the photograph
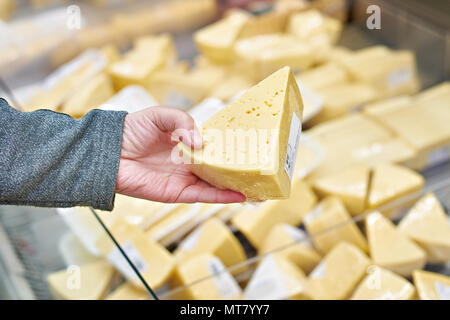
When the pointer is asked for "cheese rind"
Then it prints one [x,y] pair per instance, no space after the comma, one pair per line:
[390,249]
[248,145]
[427,224]
[431,286]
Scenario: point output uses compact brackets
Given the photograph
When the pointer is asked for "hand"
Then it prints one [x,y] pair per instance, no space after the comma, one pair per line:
[146,170]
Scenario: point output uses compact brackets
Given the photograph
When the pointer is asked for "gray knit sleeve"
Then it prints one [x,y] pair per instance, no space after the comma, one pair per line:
[49,159]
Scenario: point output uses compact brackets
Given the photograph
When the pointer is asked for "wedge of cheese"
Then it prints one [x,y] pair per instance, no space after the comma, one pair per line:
[212,237]
[276,278]
[86,282]
[350,185]
[382,284]
[151,54]
[330,223]
[256,222]
[293,244]
[205,278]
[390,249]
[339,273]
[89,96]
[431,286]
[216,40]
[428,225]
[128,291]
[326,75]
[390,182]
[313,23]
[151,260]
[250,146]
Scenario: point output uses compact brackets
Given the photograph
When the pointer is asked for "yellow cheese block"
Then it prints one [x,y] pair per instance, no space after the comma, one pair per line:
[353,60]
[310,155]
[86,282]
[276,278]
[128,291]
[390,182]
[313,23]
[153,261]
[326,75]
[293,244]
[212,237]
[250,145]
[428,225]
[89,96]
[431,286]
[390,249]
[330,223]
[7,7]
[350,185]
[342,98]
[440,91]
[216,40]
[379,109]
[256,222]
[339,273]
[230,86]
[150,54]
[382,284]
[206,279]
[111,52]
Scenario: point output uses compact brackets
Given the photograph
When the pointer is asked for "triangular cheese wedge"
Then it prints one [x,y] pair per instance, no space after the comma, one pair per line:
[329,223]
[382,284]
[87,282]
[256,221]
[250,146]
[212,237]
[205,278]
[431,286]
[350,185]
[339,273]
[216,40]
[390,182]
[428,225]
[390,249]
[277,279]
[293,244]
[128,291]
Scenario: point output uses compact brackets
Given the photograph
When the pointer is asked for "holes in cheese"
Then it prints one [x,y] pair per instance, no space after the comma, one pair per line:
[431,286]
[390,249]
[87,282]
[339,273]
[382,284]
[250,145]
[427,224]
[329,224]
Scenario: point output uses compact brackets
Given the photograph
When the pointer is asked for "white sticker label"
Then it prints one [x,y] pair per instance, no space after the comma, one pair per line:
[292,147]
[399,77]
[442,290]
[119,261]
[298,235]
[225,283]
[189,243]
[438,156]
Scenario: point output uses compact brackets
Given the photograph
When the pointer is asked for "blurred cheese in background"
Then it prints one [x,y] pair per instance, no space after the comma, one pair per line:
[391,249]
[271,113]
[431,286]
[329,224]
[213,237]
[128,291]
[86,282]
[230,86]
[7,8]
[338,274]
[325,75]
[293,244]
[277,278]
[131,99]
[151,260]
[137,66]
[428,225]
[382,284]
[256,222]
[217,283]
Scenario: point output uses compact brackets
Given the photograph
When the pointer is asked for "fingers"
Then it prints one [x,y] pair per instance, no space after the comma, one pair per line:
[179,123]
[204,192]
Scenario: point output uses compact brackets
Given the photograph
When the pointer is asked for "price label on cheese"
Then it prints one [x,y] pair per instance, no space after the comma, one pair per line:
[399,77]
[225,283]
[442,290]
[292,147]
[119,261]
